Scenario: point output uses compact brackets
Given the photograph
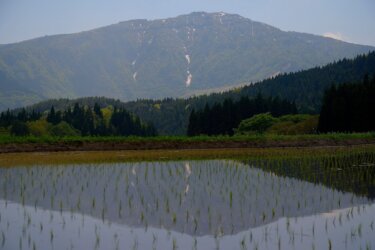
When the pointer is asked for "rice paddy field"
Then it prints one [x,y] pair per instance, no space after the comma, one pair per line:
[309,198]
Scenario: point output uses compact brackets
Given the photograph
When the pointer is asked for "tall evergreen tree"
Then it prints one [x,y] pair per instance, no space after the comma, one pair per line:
[349,108]
[223,118]
[54,117]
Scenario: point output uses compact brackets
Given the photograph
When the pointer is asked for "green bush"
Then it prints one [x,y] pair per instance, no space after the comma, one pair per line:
[256,124]
[282,128]
[63,129]
[295,124]
[39,128]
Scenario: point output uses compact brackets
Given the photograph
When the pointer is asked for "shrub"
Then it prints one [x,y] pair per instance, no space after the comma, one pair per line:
[295,124]
[39,128]
[63,129]
[256,124]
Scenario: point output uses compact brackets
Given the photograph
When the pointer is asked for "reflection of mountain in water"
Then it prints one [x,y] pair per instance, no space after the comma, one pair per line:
[198,198]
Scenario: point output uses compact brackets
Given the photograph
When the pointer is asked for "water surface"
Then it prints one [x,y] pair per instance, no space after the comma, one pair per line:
[212,204]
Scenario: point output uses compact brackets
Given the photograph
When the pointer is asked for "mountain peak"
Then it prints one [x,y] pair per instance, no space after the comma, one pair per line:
[171,57]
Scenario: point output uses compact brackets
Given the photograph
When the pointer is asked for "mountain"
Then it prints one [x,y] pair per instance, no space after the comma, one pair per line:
[162,58]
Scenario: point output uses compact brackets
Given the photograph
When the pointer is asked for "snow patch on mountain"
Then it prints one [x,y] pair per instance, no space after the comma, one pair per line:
[189,79]
[187,57]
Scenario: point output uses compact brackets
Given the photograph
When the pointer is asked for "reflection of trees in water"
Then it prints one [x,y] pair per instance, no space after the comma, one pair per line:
[350,173]
[197,197]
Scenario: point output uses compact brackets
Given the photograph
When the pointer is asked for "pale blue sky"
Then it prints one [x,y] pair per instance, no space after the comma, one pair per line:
[350,20]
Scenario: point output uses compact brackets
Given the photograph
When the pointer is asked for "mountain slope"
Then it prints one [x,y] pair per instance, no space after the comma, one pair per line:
[155,59]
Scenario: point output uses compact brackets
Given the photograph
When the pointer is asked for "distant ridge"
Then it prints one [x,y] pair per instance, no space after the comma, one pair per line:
[171,57]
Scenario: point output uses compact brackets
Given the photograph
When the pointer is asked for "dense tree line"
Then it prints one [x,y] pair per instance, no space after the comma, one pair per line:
[223,118]
[64,103]
[8,117]
[90,121]
[349,108]
[84,119]
[122,123]
[307,87]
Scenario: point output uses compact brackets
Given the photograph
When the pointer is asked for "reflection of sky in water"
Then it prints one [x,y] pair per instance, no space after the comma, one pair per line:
[181,204]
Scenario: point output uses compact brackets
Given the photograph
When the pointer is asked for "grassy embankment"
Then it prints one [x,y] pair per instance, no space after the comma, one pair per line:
[344,144]
[7,139]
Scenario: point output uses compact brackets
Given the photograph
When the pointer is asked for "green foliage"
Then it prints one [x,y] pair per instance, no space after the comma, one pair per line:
[106,114]
[39,128]
[54,117]
[80,120]
[125,124]
[295,124]
[63,129]
[308,126]
[258,138]
[19,128]
[349,108]
[223,118]
[295,118]
[307,87]
[8,117]
[257,124]
[4,131]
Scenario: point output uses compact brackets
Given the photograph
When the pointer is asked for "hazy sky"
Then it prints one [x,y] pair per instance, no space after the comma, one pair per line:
[349,20]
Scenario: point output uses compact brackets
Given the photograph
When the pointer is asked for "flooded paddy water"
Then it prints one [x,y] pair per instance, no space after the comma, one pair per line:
[258,203]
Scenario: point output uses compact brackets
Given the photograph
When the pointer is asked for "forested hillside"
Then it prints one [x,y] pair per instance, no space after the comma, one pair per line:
[349,108]
[221,119]
[305,88]
[75,120]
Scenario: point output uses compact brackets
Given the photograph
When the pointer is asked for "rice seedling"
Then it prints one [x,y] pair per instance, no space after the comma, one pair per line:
[329,244]
[51,236]
[2,239]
